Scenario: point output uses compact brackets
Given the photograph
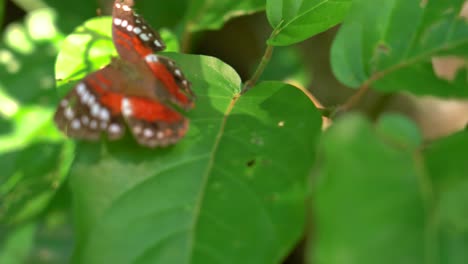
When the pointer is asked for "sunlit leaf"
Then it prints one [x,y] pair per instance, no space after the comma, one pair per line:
[296,20]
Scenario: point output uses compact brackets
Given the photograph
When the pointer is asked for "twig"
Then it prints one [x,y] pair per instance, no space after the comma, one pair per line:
[258,72]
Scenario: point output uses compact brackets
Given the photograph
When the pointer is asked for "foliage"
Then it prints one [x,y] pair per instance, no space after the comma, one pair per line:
[255,174]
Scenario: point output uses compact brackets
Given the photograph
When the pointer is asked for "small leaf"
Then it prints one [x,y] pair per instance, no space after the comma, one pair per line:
[399,131]
[295,21]
[206,14]
[391,44]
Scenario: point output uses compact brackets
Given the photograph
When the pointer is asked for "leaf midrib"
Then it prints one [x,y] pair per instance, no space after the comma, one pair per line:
[302,15]
[206,175]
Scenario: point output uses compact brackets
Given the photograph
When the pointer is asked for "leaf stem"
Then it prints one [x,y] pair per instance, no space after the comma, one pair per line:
[258,72]
[355,98]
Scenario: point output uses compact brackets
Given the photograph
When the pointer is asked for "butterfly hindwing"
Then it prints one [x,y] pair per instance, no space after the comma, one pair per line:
[153,123]
[89,110]
[99,104]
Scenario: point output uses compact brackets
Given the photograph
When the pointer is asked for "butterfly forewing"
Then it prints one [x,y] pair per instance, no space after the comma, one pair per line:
[133,37]
[172,85]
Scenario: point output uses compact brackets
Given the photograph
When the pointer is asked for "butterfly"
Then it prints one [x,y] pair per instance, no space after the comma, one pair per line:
[136,90]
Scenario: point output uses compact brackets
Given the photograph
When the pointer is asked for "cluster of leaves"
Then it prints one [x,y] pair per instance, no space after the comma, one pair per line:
[239,187]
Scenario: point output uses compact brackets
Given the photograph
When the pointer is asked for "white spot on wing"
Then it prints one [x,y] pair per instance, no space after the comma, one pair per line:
[104,125]
[126,8]
[160,135]
[64,103]
[85,98]
[137,129]
[157,43]
[151,58]
[148,132]
[69,114]
[130,28]
[117,21]
[104,114]
[85,120]
[114,129]
[75,124]
[81,88]
[137,30]
[91,100]
[126,107]
[93,124]
[95,109]
[124,23]
[144,37]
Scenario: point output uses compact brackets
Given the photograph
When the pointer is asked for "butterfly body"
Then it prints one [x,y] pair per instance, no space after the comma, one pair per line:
[138,90]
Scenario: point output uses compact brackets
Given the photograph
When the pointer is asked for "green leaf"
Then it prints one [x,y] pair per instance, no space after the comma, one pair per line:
[30,146]
[377,190]
[297,20]
[367,198]
[446,164]
[17,246]
[207,14]
[390,45]
[188,203]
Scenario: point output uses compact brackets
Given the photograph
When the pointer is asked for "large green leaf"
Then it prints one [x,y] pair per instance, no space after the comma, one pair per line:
[393,42]
[380,199]
[243,156]
[296,20]
[208,14]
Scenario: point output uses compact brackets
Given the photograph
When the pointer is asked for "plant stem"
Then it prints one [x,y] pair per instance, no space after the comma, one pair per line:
[258,72]
[355,98]
[186,39]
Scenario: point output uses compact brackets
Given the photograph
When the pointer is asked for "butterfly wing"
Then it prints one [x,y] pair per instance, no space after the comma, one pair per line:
[133,37]
[153,123]
[136,41]
[100,103]
[88,109]
[172,85]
